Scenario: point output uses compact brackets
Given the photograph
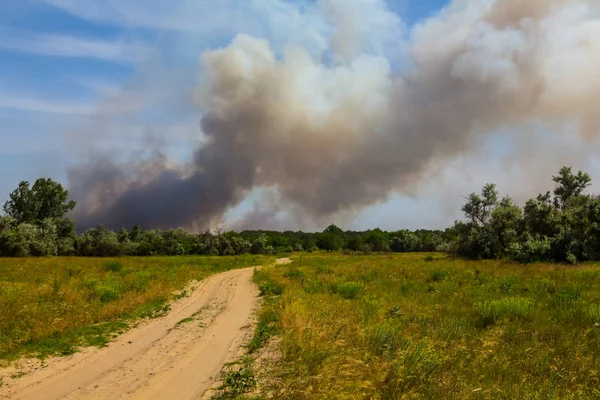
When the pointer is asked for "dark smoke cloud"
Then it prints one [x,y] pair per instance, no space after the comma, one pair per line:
[333,137]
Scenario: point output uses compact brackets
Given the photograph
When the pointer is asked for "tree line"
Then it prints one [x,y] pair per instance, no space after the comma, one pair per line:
[562,226]
[35,223]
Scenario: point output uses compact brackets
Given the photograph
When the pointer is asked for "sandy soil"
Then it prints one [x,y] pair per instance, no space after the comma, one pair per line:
[165,358]
[283,261]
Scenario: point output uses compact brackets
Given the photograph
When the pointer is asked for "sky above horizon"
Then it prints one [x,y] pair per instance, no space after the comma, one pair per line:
[73,68]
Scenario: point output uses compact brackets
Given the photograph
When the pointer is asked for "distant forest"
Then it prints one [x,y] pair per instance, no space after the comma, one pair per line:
[561,226]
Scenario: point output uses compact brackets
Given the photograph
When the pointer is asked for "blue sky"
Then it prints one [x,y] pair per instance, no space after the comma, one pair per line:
[126,68]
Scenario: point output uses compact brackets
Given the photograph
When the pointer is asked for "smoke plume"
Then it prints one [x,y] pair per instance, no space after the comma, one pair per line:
[343,129]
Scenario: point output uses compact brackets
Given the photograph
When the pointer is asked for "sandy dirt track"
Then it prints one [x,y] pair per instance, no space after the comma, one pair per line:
[160,359]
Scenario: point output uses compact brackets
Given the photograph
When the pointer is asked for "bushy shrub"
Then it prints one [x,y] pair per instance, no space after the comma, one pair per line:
[260,246]
[530,249]
[99,242]
[31,240]
[298,247]
[285,249]
[404,241]
[21,240]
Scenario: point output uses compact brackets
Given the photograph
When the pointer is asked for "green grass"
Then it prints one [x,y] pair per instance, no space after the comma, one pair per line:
[430,327]
[349,290]
[493,311]
[53,306]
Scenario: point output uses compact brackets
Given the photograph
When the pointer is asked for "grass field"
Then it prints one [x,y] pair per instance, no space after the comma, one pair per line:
[430,327]
[51,306]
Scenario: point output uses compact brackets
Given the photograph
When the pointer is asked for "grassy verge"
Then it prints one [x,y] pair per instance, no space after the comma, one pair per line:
[52,306]
[427,326]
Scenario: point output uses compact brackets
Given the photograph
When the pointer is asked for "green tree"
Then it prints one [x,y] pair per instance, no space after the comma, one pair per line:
[404,241]
[334,229]
[569,186]
[355,243]
[506,224]
[378,240]
[46,199]
[479,207]
[329,241]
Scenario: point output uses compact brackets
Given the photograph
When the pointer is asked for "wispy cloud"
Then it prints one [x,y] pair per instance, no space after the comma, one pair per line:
[53,106]
[156,14]
[299,22]
[67,46]
[44,106]
[99,86]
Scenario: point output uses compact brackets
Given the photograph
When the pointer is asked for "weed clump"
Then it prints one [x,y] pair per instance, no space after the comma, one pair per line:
[349,290]
[266,285]
[413,370]
[238,382]
[593,313]
[384,340]
[312,286]
[506,284]
[567,296]
[107,291]
[438,276]
[493,311]
[267,327]
[293,273]
[270,288]
[113,266]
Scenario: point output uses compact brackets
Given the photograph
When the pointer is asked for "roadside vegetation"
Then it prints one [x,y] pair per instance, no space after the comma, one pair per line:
[429,326]
[52,306]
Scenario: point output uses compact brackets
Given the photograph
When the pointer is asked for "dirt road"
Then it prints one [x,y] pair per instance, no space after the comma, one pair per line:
[168,358]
